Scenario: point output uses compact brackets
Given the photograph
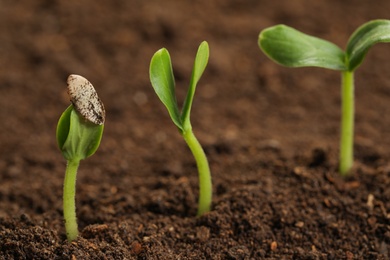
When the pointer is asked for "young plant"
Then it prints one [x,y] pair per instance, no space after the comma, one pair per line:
[79,131]
[162,79]
[292,48]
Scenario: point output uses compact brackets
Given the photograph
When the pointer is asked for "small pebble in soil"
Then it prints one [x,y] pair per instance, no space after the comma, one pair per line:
[274,246]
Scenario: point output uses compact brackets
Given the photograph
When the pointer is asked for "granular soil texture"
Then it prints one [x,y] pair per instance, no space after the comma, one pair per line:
[271,134]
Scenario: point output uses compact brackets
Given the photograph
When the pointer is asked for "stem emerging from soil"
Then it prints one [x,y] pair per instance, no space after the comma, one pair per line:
[347,123]
[69,202]
[205,186]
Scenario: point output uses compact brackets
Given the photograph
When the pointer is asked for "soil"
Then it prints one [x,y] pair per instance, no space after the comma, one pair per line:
[271,134]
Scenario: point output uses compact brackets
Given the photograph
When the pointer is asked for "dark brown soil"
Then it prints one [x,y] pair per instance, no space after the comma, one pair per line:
[271,134]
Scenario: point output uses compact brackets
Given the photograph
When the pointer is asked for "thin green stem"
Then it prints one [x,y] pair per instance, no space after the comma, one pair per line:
[347,123]
[205,185]
[69,202]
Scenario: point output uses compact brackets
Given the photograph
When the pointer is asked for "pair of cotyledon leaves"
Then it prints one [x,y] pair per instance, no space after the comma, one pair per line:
[163,82]
[293,48]
[77,137]
[80,127]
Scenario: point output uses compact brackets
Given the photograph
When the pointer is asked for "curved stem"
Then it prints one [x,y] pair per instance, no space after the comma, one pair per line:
[205,185]
[347,123]
[69,202]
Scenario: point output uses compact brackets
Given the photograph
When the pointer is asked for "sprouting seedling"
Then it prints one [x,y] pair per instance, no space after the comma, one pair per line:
[162,79]
[292,48]
[79,131]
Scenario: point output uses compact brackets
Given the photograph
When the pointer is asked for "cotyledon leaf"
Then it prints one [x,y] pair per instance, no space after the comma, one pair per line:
[376,31]
[200,63]
[292,48]
[163,82]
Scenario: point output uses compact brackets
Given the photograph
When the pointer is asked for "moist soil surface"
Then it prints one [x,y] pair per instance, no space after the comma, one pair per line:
[271,134]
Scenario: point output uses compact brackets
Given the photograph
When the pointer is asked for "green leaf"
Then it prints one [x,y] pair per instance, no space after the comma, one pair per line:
[200,63]
[162,79]
[363,38]
[63,127]
[77,137]
[292,48]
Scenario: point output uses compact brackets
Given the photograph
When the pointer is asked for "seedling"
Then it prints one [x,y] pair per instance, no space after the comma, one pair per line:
[162,79]
[292,48]
[79,131]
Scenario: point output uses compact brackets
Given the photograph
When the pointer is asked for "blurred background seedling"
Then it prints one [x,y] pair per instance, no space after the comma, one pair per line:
[292,48]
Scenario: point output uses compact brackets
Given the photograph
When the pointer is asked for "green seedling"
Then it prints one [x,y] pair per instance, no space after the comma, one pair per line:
[292,48]
[79,132]
[162,79]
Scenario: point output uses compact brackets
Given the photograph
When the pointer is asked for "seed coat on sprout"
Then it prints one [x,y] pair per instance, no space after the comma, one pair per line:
[79,132]
[85,99]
